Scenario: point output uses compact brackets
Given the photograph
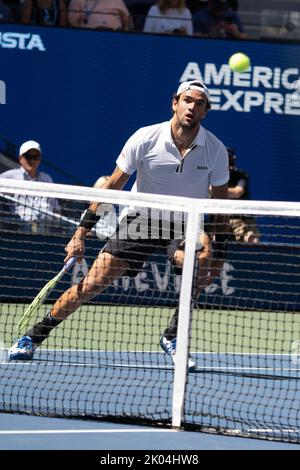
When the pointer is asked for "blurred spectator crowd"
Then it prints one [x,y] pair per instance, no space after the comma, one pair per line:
[206,18]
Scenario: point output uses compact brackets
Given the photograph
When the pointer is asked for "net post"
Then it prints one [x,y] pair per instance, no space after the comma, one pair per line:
[191,238]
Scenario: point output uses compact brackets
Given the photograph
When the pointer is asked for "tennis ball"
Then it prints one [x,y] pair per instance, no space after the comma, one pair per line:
[239,62]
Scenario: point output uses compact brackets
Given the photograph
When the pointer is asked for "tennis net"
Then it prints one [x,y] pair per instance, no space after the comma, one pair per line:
[105,361]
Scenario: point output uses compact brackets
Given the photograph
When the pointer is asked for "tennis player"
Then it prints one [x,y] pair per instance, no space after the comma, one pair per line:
[177,157]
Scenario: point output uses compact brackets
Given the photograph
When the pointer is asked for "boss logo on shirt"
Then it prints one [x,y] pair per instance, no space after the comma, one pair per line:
[202,167]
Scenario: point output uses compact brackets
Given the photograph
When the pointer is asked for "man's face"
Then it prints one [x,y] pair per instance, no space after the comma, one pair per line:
[30,160]
[190,108]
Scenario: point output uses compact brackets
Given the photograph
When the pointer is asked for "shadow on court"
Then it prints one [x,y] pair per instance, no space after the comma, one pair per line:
[19,432]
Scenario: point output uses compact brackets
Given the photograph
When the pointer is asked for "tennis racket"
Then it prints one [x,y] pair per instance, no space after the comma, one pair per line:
[40,298]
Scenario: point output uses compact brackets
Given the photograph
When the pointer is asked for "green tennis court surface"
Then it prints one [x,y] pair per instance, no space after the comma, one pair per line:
[130,328]
[105,362]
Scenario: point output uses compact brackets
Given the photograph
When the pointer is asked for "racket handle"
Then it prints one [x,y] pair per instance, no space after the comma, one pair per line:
[69,263]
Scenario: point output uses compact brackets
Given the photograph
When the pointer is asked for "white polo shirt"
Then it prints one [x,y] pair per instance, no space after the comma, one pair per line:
[152,153]
[31,208]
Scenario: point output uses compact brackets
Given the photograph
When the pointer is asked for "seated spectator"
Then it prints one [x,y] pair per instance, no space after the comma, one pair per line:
[44,12]
[99,14]
[138,11]
[243,228]
[6,14]
[218,20]
[169,16]
[31,214]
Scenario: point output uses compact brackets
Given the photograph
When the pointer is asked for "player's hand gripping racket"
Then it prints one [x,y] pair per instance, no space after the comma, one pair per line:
[44,292]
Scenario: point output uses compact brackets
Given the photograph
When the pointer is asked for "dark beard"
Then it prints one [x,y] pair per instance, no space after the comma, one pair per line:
[191,125]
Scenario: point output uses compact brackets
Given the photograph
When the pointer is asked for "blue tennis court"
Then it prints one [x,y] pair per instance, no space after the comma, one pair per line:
[19,432]
[238,394]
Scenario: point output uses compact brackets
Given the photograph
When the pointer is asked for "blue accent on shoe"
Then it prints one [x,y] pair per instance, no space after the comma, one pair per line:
[168,346]
[22,350]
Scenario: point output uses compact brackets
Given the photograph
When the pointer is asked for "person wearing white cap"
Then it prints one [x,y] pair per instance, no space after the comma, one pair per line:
[31,213]
[218,19]
[178,157]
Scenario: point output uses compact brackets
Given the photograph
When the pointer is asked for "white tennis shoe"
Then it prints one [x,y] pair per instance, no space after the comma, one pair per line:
[170,348]
[22,350]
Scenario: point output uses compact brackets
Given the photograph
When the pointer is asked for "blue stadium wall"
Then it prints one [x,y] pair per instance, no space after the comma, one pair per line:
[82,93]
[246,282]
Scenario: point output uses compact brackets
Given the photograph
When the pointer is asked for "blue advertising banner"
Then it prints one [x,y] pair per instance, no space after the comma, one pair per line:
[254,277]
[81,94]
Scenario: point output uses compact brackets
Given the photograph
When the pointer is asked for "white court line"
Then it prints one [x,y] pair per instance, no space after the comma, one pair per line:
[37,363]
[115,431]
[290,431]
[104,351]
[224,353]
[140,366]
[83,431]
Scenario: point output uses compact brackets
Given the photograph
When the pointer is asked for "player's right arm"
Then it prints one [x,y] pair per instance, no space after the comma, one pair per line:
[76,245]
[117,180]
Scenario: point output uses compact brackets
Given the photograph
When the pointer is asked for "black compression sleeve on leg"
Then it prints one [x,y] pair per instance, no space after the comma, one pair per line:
[171,331]
[39,332]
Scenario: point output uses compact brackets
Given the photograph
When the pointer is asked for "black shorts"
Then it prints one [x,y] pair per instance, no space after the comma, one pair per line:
[135,251]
